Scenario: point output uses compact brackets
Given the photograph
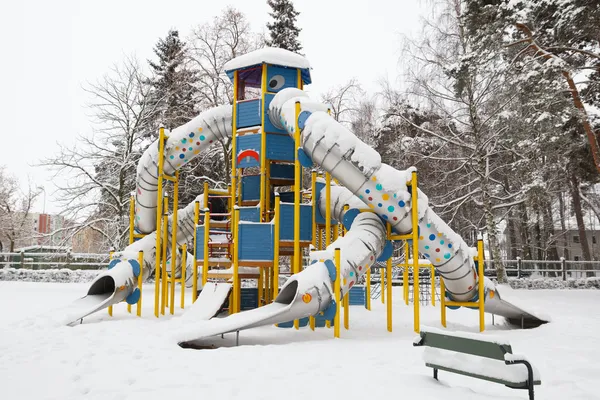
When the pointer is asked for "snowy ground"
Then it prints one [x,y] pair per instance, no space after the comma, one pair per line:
[125,357]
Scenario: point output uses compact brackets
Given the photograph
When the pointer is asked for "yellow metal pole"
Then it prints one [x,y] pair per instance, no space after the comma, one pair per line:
[260,285]
[276,246]
[205,196]
[368,290]
[263,148]
[297,189]
[195,272]
[164,259]
[131,221]
[443,301]
[382,284]
[432,273]
[159,211]
[110,308]
[313,176]
[405,272]
[415,250]
[174,241]
[388,269]
[480,265]
[206,240]
[328,209]
[140,281]
[233,142]
[337,288]
[236,276]
[183,271]
[347,310]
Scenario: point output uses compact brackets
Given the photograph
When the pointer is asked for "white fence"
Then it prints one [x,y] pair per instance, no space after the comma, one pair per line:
[564,269]
[54,260]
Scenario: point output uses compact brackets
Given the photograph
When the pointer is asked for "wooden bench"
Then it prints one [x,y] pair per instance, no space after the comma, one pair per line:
[485,359]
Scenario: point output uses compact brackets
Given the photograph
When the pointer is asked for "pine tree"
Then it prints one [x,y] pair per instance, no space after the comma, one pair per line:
[283,30]
[173,89]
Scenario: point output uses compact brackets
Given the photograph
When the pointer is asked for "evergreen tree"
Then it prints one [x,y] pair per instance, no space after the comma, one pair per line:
[283,30]
[172,83]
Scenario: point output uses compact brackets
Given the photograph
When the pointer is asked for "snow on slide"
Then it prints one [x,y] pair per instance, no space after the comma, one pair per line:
[211,299]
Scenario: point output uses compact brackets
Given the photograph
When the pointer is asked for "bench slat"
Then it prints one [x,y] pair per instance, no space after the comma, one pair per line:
[465,345]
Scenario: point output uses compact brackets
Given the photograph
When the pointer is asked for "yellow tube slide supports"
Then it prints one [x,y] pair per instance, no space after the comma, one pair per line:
[415,250]
[480,272]
[276,247]
[174,241]
[131,220]
[195,272]
[297,189]
[159,211]
[140,281]
[263,148]
[388,270]
[164,286]
[236,276]
[328,209]
[368,290]
[183,268]
[337,289]
[233,141]
[206,240]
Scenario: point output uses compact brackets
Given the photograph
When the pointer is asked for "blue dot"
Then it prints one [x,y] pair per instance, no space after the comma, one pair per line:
[360,196]
[429,225]
[378,186]
[202,137]
[184,140]
[367,191]
[447,256]
[427,255]
[401,203]
[395,195]
[432,237]
[391,208]
[172,157]
[351,273]
[385,217]
[426,247]
[379,204]
[182,156]
[190,148]
[191,134]
[449,245]
[441,242]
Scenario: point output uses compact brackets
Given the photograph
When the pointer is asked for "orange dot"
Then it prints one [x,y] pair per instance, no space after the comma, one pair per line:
[306,298]
[437,260]
[385,196]
[420,237]
[344,282]
[371,205]
[196,151]
[440,234]
[492,293]
[200,129]
[177,148]
[374,179]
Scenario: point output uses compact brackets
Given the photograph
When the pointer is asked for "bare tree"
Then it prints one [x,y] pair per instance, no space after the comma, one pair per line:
[15,209]
[101,168]
[345,100]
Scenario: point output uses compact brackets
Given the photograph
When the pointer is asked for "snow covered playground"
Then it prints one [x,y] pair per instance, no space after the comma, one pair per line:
[274,299]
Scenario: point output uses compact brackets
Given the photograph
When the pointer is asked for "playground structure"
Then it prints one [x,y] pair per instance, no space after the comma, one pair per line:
[344,221]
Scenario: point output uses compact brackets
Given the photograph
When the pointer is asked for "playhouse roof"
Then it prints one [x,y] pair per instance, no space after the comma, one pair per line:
[270,55]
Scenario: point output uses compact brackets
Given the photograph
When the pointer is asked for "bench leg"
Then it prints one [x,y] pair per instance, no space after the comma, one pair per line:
[529,375]
[435,372]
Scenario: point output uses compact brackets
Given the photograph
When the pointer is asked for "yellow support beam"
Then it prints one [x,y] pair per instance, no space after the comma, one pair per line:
[382,284]
[337,289]
[236,274]
[328,209]
[432,273]
[388,268]
[263,148]
[415,250]
[233,142]
[205,241]
[164,276]
[183,271]
[276,247]
[159,211]
[405,272]
[297,189]
[443,301]
[110,308]
[313,176]
[368,290]
[131,233]
[480,273]
[140,281]
[195,271]
[174,241]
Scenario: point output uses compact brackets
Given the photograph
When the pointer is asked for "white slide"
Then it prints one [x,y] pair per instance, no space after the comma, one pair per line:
[212,298]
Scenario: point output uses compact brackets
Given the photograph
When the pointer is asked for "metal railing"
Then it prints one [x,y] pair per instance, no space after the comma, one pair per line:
[563,268]
[88,261]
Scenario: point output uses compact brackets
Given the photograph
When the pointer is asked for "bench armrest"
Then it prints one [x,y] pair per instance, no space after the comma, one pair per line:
[418,341]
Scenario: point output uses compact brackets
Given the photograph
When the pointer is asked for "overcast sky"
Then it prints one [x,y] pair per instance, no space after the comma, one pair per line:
[50,49]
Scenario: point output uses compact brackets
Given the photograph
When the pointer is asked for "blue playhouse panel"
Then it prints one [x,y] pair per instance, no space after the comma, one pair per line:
[286,231]
[357,295]
[285,197]
[290,324]
[248,142]
[320,219]
[256,242]
[249,113]
[287,77]
[200,242]
[250,214]
[280,147]
[269,127]
[251,187]
[282,171]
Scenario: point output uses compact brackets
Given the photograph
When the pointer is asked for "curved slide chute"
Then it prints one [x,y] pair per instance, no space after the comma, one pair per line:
[184,143]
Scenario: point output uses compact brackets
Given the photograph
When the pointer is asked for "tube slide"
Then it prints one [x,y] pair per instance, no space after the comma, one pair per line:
[184,143]
[383,189]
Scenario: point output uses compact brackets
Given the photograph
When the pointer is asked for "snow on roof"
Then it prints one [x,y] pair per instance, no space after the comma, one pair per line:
[269,55]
